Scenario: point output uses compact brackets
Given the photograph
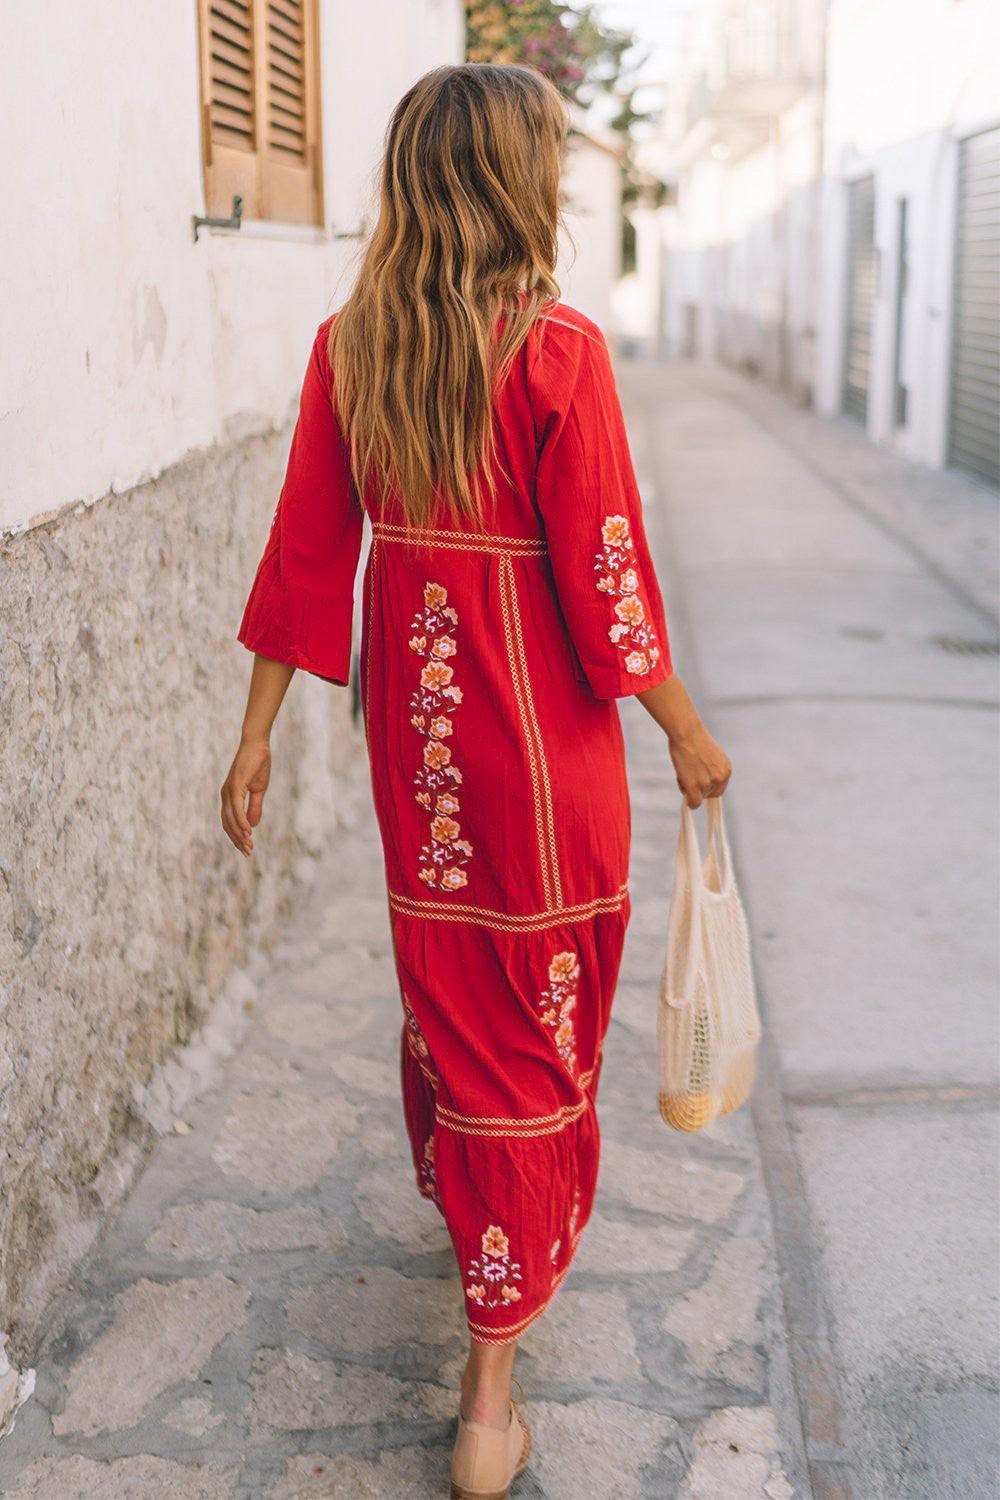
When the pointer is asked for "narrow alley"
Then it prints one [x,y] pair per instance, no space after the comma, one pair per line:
[793,1306]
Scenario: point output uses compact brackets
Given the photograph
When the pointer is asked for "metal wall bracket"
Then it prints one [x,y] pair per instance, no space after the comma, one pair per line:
[350,234]
[233,222]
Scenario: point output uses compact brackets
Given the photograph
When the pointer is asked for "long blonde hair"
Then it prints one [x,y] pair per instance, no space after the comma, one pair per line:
[467,232]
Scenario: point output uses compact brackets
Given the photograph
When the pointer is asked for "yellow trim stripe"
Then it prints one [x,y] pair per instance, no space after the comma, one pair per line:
[512,1129]
[522,708]
[503,921]
[522,546]
[549,818]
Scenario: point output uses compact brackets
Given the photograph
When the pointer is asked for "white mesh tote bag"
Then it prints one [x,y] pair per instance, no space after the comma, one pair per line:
[708,1025]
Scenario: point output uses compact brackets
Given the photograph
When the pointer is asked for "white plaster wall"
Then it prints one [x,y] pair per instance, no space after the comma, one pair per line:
[741,244]
[904,84]
[636,297]
[588,268]
[125,344]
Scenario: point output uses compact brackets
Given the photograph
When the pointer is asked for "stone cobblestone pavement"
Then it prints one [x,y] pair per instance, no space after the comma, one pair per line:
[276,1314]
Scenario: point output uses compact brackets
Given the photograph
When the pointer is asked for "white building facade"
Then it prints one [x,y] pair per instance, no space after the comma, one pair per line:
[837,225]
[743,152]
[909,294]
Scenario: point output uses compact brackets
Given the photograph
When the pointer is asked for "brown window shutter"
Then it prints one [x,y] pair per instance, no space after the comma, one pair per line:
[260,103]
[288,103]
[230,120]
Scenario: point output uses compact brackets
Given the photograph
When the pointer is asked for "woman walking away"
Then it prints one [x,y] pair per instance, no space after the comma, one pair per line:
[509,600]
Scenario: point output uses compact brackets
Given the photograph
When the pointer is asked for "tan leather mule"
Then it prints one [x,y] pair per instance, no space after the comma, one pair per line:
[486,1460]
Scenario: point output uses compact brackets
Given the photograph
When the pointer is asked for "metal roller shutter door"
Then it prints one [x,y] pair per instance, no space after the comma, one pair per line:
[862,277]
[974,417]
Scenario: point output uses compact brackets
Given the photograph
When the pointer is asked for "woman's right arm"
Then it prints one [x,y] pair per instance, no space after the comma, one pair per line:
[243,789]
[300,609]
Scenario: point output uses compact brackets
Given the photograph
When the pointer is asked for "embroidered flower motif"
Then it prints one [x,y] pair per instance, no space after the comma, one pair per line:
[435,675]
[492,1273]
[558,1002]
[574,1213]
[563,966]
[615,532]
[413,1027]
[427,1176]
[419,1051]
[631,632]
[630,610]
[433,704]
[554,1258]
[564,1036]
[495,1242]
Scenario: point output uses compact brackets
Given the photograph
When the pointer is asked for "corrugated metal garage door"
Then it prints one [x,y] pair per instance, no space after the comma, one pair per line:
[974,422]
[862,277]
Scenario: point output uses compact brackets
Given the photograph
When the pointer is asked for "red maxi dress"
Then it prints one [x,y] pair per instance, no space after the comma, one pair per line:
[490,666]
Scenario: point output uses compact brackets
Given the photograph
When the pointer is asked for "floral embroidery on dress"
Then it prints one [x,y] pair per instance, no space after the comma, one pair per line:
[434,703]
[418,1042]
[492,1272]
[632,632]
[427,1176]
[574,1214]
[558,1003]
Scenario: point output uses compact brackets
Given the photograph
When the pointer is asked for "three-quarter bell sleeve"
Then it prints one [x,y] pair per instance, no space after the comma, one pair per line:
[589,501]
[300,609]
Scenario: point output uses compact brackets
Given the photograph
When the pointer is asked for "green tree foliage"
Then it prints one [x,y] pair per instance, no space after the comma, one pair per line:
[584,58]
[570,46]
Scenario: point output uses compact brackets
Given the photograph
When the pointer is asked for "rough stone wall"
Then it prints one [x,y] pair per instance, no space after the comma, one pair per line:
[123,908]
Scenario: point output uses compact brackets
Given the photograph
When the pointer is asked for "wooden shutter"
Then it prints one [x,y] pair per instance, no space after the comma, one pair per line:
[260,108]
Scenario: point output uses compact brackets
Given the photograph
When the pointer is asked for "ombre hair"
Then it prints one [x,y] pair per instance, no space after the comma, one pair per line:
[467,235]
